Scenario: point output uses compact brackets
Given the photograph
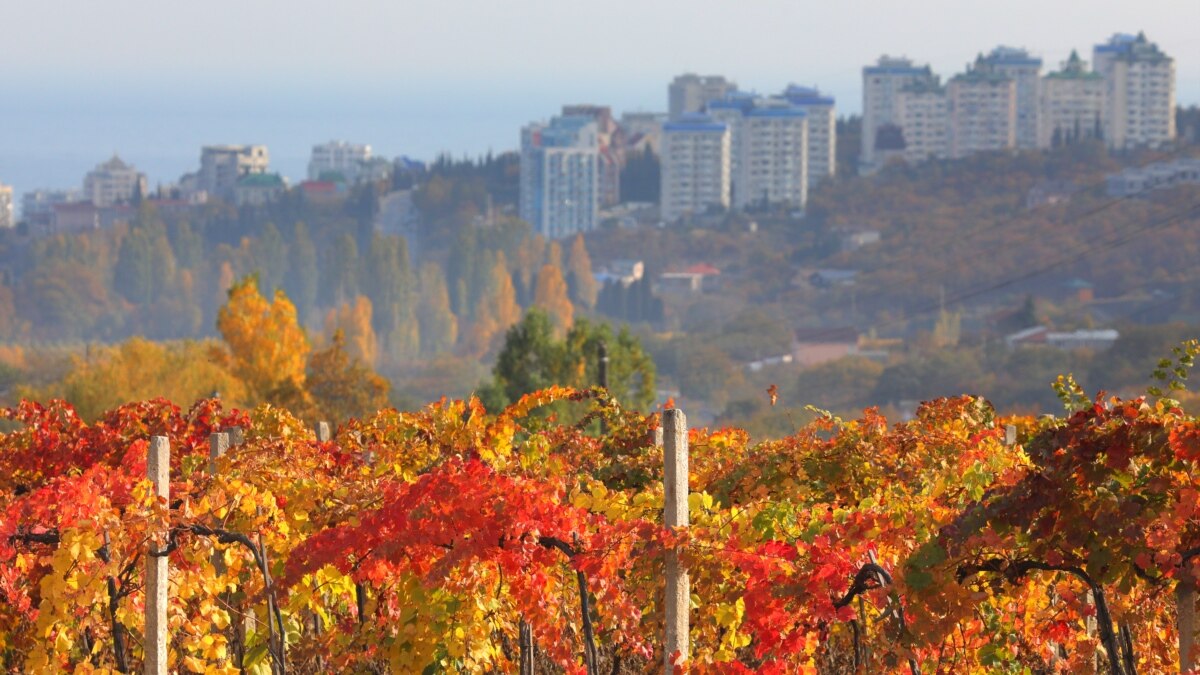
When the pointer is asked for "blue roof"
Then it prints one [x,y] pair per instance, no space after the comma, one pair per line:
[894,70]
[710,126]
[776,112]
[799,95]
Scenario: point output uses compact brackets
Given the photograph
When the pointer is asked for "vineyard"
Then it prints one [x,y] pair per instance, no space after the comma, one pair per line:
[534,540]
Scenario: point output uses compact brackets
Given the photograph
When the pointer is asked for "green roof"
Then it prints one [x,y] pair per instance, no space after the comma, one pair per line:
[261,180]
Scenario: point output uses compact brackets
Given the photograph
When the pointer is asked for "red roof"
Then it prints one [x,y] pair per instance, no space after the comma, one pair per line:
[702,268]
[319,186]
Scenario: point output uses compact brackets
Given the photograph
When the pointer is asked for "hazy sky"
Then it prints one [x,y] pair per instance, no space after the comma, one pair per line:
[761,43]
[154,80]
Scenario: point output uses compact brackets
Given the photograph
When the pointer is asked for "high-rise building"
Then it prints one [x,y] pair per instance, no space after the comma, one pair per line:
[773,167]
[882,83]
[560,181]
[7,218]
[338,158]
[1025,71]
[642,130]
[695,166]
[689,93]
[1071,105]
[222,166]
[822,130]
[982,108]
[730,111]
[924,119]
[610,146]
[112,182]
[1139,92]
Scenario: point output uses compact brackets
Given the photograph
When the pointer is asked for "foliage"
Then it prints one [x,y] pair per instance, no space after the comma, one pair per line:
[269,347]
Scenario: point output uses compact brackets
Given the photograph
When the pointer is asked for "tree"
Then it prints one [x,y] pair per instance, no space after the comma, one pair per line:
[439,326]
[579,274]
[301,279]
[342,284]
[551,297]
[268,345]
[342,386]
[352,321]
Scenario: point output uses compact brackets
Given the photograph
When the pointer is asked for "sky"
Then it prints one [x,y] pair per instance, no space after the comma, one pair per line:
[153,80]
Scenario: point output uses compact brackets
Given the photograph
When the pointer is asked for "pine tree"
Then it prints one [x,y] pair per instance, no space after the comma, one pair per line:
[579,274]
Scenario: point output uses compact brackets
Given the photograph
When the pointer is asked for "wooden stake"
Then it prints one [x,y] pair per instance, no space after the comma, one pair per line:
[158,470]
[675,515]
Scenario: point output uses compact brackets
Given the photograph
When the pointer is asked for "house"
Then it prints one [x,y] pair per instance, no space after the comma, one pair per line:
[1095,340]
[622,271]
[828,278]
[813,346]
[854,240]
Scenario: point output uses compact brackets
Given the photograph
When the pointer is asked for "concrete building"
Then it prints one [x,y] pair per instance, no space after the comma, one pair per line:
[1158,176]
[1070,105]
[609,146]
[822,130]
[1139,92]
[1025,71]
[773,167]
[695,166]
[730,111]
[37,206]
[982,107]
[689,93]
[258,189]
[113,182]
[7,217]
[338,157]
[882,83]
[642,130]
[922,114]
[222,166]
[560,178]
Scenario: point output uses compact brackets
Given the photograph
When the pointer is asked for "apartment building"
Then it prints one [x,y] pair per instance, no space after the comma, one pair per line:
[689,93]
[982,111]
[1071,104]
[222,166]
[1025,71]
[609,146]
[338,157]
[695,166]
[924,119]
[113,182]
[560,181]
[1139,91]
[773,167]
[822,130]
[730,110]
[882,84]
[7,217]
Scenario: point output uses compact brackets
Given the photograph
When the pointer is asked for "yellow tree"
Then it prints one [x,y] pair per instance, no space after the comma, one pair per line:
[551,296]
[438,325]
[268,345]
[504,308]
[579,274]
[354,322]
[343,386]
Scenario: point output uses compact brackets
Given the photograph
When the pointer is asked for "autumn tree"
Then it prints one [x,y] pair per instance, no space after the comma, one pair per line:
[301,278]
[268,345]
[580,280]
[341,385]
[353,321]
[439,326]
[391,287]
[551,297]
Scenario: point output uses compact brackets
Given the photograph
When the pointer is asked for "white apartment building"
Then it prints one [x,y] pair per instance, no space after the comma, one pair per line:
[338,157]
[982,108]
[689,93]
[1139,92]
[37,206]
[1071,105]
[7,217]
[222,166]
[923,115]
[1025,71]
[730,111]
[822,130]
[773,167]
[882,83]
[560,181]
[695,166]
[113,182]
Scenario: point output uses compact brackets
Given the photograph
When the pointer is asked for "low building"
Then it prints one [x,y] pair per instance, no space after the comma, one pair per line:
[71,217]
[1093,340]
[323,191]
[37,206]
[828,278]
[814,346]
[1158,176]
[258,189]
[852,241]
[623,272]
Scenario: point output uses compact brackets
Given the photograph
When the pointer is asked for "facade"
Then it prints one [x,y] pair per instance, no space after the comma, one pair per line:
[730,111]
[37,206]
[773,167]
[882,83]
[609,146]
[642,130]
[338,157]
[113,182]
[922,113]
[1139,92]
[822,130]
[560,181]
[695,166]
[689,93]
[7,217]
[258,189]
[982,108]
[222,166]
[1070,105]
[1159,176]
[1025,71]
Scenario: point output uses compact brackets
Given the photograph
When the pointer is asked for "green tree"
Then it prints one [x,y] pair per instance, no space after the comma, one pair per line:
[439,325]
[301,277]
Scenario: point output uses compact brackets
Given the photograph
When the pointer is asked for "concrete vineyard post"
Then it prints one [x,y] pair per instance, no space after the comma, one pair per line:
[675,514]
[158,470]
